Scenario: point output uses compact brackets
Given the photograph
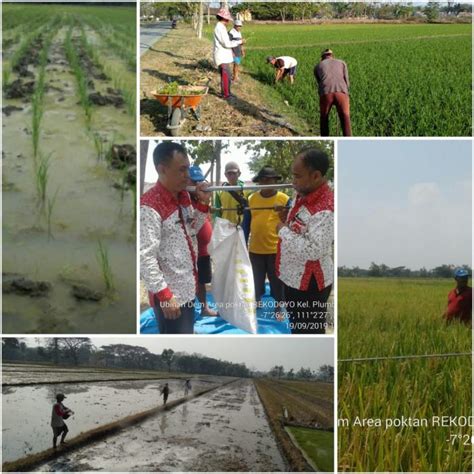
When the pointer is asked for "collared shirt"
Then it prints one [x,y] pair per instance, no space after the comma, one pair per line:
[223,199]
[332,76]
[57,413]
[460,305]
[168,244]
[305,243]
[223,45]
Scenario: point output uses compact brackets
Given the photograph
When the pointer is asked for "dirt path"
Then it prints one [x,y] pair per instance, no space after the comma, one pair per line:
[225,430]
[181,57]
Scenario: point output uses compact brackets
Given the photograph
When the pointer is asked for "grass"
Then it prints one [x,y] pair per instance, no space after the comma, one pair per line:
[318,445]
[390,317]
[42,177]
[100,146]
[106,269]
[80,75]
[6,75]
[49,212]
[397,73]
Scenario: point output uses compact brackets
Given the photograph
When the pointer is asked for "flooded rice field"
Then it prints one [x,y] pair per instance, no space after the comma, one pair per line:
[69,171]
[94,404]
[224,430]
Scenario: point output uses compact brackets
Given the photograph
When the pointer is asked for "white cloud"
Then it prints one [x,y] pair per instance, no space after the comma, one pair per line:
[421,194]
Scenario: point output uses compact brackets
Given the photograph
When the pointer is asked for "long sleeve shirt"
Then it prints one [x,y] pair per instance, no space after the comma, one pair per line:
[168,244]
[332,76]
[305,243]
[460,305]
[223,45]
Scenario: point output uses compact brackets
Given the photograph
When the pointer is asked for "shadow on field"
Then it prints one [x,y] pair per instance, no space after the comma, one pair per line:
[164,77]
[168,53]
[157,114]
[203,64]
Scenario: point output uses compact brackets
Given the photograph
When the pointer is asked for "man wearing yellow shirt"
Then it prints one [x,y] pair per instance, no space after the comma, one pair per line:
[233,200]
[263,237]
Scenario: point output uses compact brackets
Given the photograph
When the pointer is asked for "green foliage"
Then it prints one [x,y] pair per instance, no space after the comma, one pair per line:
[42,177]
[104,263]
[49,212]
[391,317]
[405,81]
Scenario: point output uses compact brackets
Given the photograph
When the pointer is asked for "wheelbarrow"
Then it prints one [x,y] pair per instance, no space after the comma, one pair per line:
[188,98]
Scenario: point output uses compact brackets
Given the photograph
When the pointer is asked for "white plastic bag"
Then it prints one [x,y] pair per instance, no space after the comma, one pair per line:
[232,277]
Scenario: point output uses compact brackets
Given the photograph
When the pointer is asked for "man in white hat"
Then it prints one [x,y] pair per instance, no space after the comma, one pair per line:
[235,34]
[223,56]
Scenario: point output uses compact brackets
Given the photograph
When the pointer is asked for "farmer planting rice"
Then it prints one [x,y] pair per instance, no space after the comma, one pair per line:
[263,237]
[460,299]
[223,55]
[239,52]
[168,244]
[285,67]
[304,259]
[58,415]
[333,86]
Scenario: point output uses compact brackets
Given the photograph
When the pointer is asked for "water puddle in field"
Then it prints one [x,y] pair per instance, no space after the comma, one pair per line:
[90,207]
[225,430]
[94,404]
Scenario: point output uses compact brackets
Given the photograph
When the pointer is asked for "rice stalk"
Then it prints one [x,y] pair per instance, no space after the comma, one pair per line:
[49,212]
[104,263]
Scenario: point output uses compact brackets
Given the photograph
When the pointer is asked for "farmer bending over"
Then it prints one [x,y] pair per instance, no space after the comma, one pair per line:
[58,415]
[460,299]
[168,244]
[285,67]
[333,86]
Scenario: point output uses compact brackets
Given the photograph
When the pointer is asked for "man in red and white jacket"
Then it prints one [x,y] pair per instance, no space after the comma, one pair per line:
[169,223]
[306,234]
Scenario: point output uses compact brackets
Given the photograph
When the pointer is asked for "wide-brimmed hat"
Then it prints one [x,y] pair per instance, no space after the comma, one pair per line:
[225,14]
[196,174]
[266,172]
[327,52]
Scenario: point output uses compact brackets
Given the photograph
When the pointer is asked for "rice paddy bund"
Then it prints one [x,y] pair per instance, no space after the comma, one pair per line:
[393,317]
[69,168]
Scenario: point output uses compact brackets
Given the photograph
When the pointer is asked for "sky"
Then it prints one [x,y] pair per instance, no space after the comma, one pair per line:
[404,203]
[260,353]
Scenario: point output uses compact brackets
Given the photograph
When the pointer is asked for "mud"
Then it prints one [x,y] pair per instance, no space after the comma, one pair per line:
[19,89]
[9,109]
[24,286]
[224,430]
[82,292]
[93,404]
[87,209]
[113,98]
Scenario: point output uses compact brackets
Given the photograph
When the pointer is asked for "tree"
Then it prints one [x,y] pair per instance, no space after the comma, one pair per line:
[326,373]
[305,374]
[432,11]
[168,356]
[73,346]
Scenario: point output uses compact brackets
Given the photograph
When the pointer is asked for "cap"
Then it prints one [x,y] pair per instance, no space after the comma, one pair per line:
[461,273]
[60,396]
[270,59]
[232,166]
[224,13]
[195,173]
[238,23]
[326,52]
[266,172]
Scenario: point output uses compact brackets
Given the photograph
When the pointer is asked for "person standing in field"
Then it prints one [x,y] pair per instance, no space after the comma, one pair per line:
[239,51]
[58,415]
[460,299]
[204,236]
[285,67]
[187,387]
[233,202]
[306,233]
[332,77]
[165,391]
[223,56]
[263,237]
[169,225]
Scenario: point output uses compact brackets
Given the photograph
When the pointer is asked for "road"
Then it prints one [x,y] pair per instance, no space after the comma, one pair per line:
[224,430]
[150,34]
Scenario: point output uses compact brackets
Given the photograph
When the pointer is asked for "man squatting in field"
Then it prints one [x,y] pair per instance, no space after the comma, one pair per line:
[223,55]
[168,246]
[333,87]
[460,299]
[285,67]
[58,415]
[304,255]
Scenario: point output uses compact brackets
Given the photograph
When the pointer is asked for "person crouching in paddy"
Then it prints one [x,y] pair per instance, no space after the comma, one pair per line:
[223,55]
[169,224]
[306,233]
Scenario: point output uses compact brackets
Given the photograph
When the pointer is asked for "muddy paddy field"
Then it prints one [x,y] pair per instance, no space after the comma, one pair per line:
[69,169]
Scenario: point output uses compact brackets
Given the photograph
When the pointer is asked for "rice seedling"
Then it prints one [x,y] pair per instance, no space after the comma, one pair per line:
[104,263]
[42,177]
[49,212]
[81,79]
[100,145]
[6,74]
